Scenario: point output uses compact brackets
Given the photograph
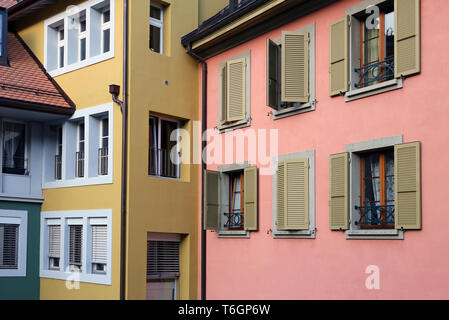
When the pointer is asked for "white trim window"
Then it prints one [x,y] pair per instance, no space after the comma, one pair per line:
[61,46]
[80,151]
[13,243]
[14,144]
[103,151]
[82,36]
[156,28]
[77,244]
[58,156]
[106,30]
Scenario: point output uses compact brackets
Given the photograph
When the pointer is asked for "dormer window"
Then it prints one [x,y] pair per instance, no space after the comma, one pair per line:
[3,36]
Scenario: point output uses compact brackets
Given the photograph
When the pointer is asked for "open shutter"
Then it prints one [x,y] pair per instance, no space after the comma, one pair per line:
[296,199]
[224,93]
[295,66]
[99,244]
[211,200]
[273,55]
[280,196]
[236,91]
[407,37]
[339,192]
[54,245]
[407,172]
[339,56]
[250,198]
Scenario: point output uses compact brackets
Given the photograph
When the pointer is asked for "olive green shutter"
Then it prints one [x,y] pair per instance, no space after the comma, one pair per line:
[224,93]
[407,37]
[296,199]
[339,56]
[280,203]
[272,74]
[250,198]
[236,91]
[295,66]
[211,200]
[407,173]
[339,192]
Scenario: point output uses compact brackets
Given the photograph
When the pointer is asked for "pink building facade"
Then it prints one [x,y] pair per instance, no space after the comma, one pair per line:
[349,147]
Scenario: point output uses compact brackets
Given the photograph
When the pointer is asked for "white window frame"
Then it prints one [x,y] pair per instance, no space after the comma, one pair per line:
[86,218]
[62,20]
[82,35]
[27,139]
[159,23]
[17,217]
[105,26]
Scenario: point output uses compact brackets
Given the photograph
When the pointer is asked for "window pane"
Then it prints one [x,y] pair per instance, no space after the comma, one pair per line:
[61,57]
[389,177]
[106,40]
[14,148]
[61,34]
[389,35]
[82,25]
[155,39]
[83,49]
[106,16]
[105,127]
[371,179]
[153,141]
[155,13]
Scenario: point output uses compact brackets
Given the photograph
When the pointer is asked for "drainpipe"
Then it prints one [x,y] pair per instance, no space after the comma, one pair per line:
[203,167]
[115,91]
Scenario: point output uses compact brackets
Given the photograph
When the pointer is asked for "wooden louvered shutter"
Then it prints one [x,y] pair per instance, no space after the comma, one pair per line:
[75,245]
[211,200]
[296,198]
[280,196]
[54,241]
[99,244]
[339,192]
[295,66]
[162,259]
[236,90]
[339,56]
[9,237]
[407,37]
[407,173]
[250,198]
[273,58]
[224,93]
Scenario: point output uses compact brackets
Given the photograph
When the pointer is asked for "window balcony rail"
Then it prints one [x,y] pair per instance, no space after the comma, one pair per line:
[160,164]
[375,72]
[372,216]
[103,161]
[58,167]
[15,164]
[235,219]
[79,167]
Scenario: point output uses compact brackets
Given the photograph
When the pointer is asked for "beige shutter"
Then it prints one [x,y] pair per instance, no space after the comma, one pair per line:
[339,192]
[407,173]
[236,91]
[296,198]
[407,37]
[224,93]
[211,200]
[273,82]
[280,203]
[295,66]
[339,56]
[250,198]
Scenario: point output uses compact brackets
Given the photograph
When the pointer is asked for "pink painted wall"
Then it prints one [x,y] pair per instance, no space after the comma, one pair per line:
[331,267]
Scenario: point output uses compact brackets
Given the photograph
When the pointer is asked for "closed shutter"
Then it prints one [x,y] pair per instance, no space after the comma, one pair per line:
[54,241]
[211,200]
[9,237]
[273,83]
[75,245]
[236,90]
[224,93]
[250,198]
[407,37]
[407,172]
[339,192]
[162,259]
[295,66]
[296,199]
[99,244]
[339,56]
[280,196]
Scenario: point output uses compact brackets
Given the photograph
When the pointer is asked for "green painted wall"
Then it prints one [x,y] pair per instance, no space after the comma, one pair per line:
[25,288]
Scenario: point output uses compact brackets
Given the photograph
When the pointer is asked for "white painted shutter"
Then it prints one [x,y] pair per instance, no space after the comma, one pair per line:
[99,244]
[54,241]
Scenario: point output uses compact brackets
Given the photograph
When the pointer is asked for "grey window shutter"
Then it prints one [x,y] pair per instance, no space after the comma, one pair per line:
[75,245]
[273,71]
[99,244]
[224,93]
[339,191]
[9,237]
[296,199]
[236,89]
[250,193]
[280,197]
[162,259]
[54,245]
[211,200]
[339,56]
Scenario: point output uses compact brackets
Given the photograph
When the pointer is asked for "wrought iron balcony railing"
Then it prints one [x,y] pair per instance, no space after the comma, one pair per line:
[375,72]
[160,164]
[372,216]
[103,154]
[58,167]
[15,164]
[79,168]
[235,219]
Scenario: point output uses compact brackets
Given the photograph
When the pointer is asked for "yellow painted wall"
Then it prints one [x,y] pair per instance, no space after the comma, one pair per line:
[157,204]
[208,8]
[87,87]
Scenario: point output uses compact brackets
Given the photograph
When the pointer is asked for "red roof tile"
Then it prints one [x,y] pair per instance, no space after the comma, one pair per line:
[7,3]
[26,80]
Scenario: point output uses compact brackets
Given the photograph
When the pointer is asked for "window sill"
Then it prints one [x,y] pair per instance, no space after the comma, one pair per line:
[373,90]
[303,234]
[164,178]
[279,114]
[76,276]
[391,234]
[234,126]
[234,234]
[81,64]
[78,182]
